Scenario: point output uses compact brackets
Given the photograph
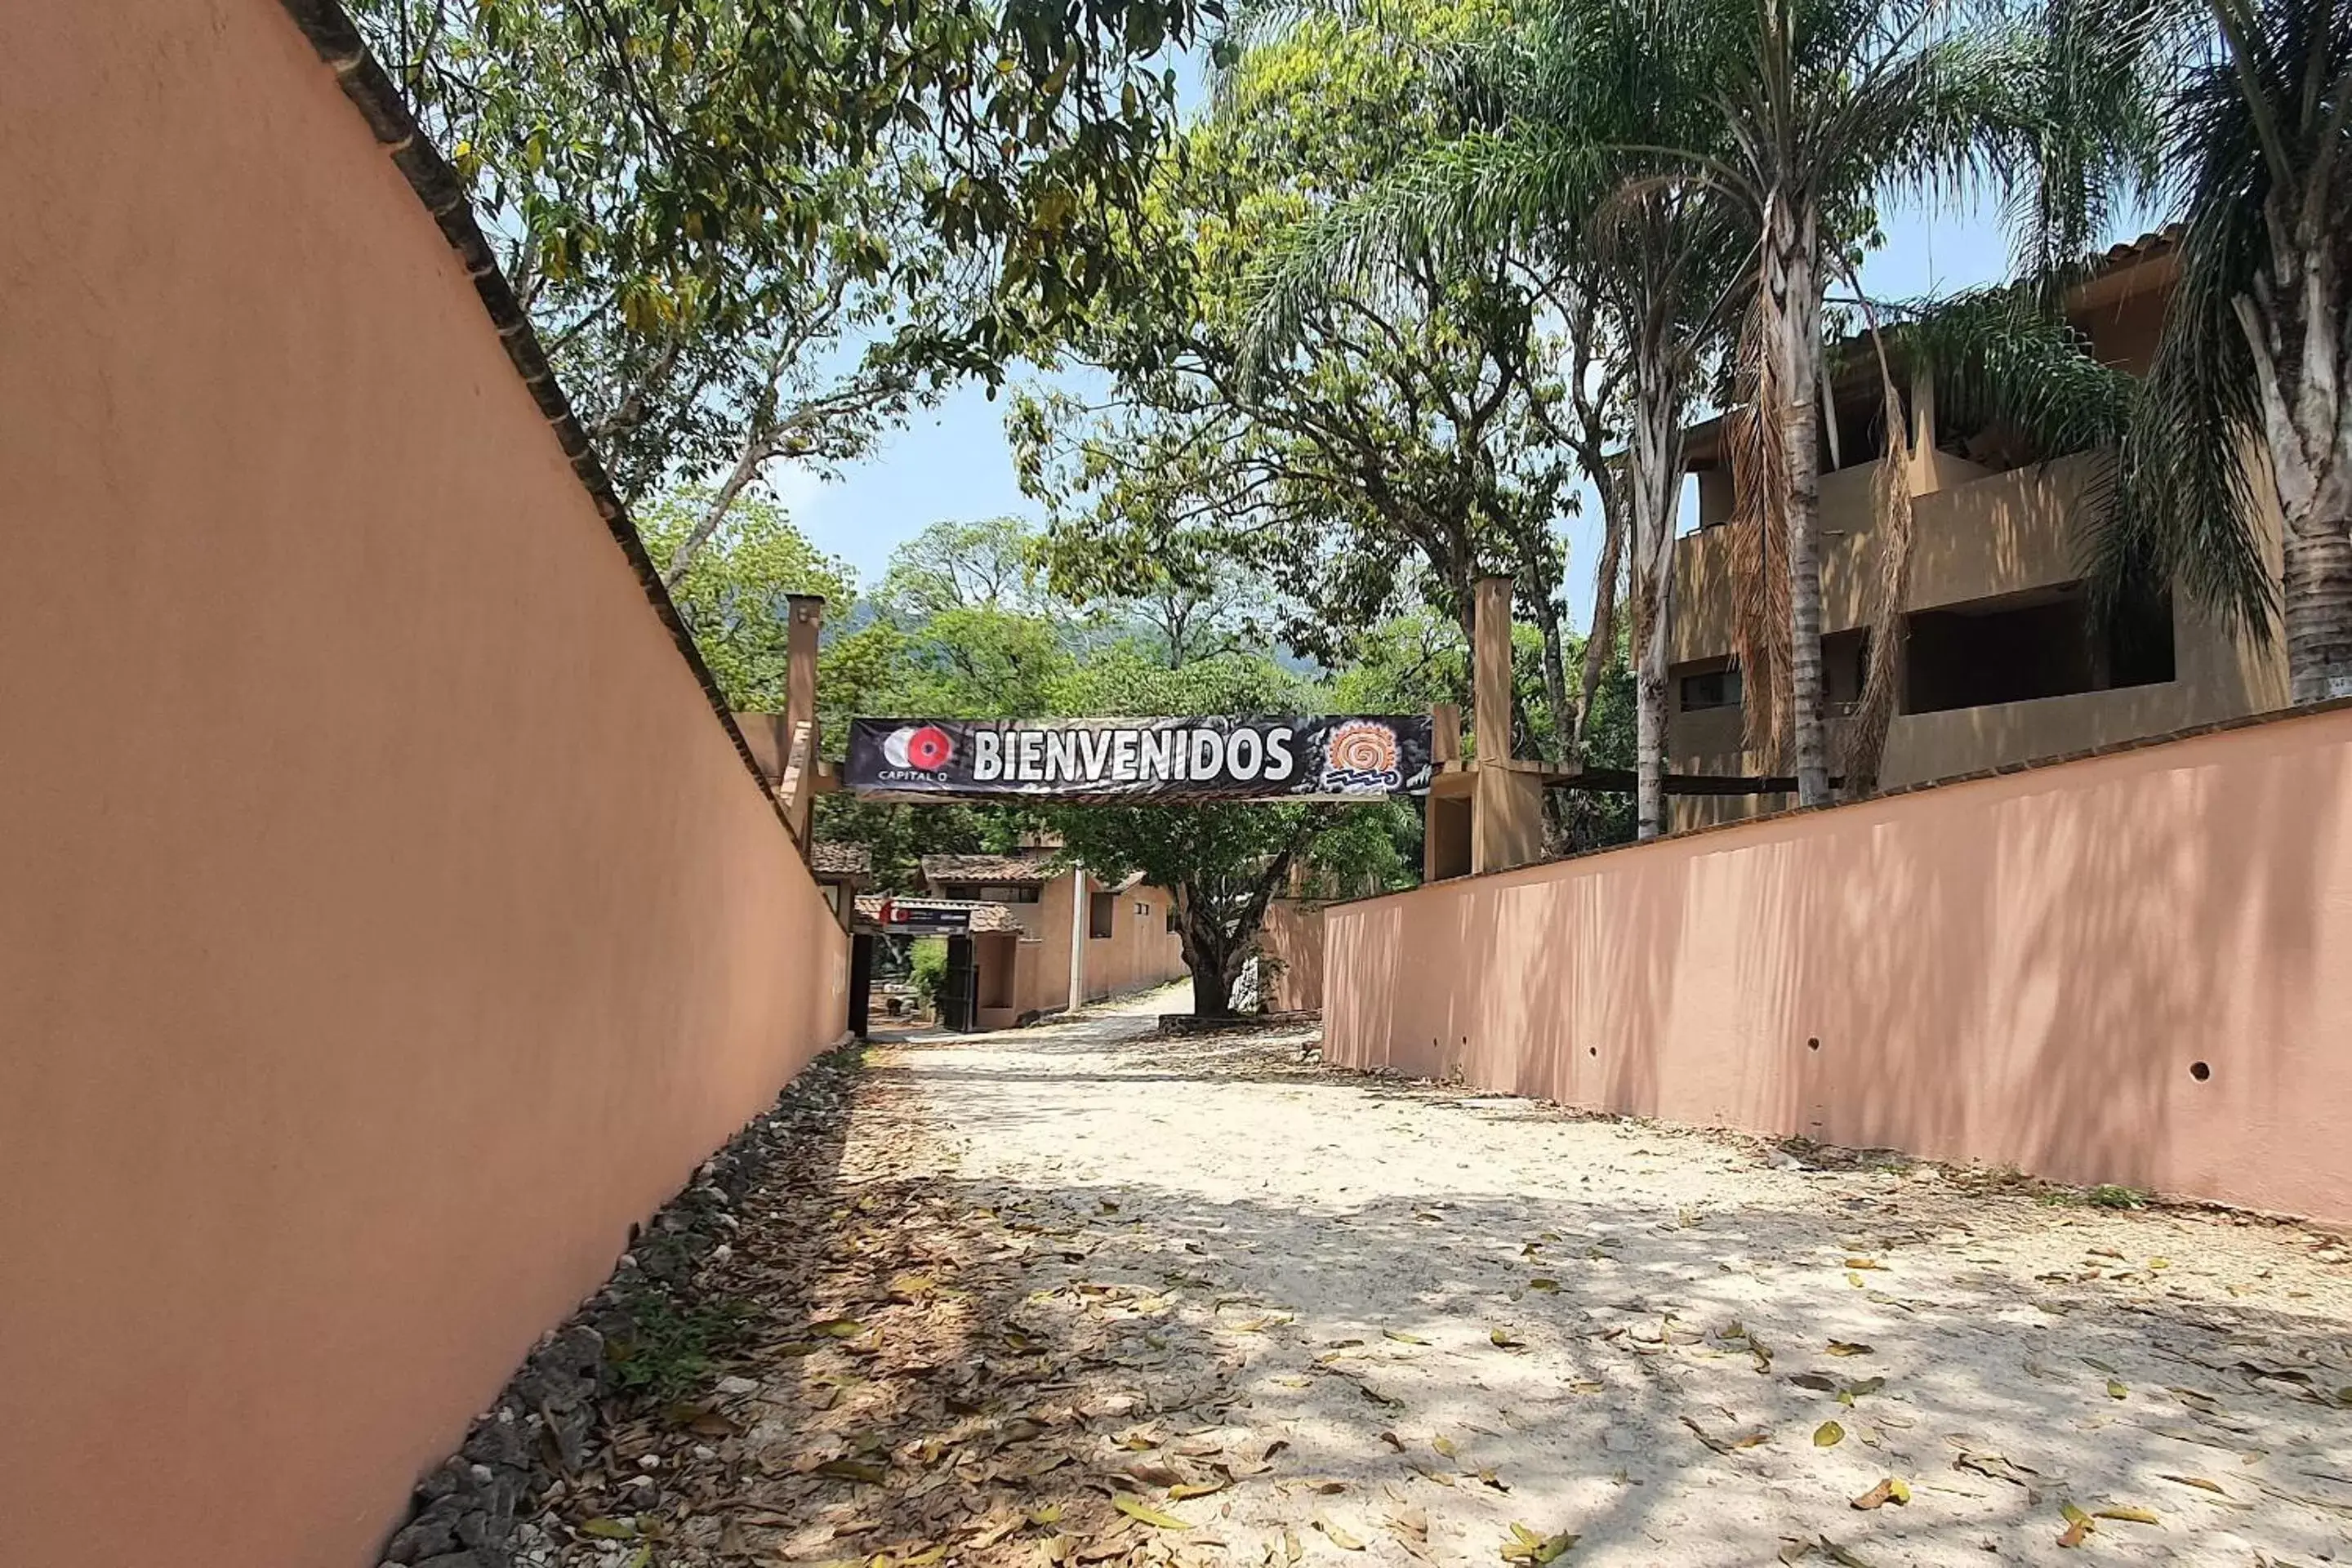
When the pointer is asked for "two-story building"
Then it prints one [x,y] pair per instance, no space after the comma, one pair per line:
[2002,659]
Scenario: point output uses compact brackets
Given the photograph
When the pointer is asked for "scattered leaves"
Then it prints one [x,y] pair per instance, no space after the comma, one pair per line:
[855,1470]
[1136,1508]
[1338,1536]
[1723,1444]
[1828,1434]
[1893,1490]
[1527,1546]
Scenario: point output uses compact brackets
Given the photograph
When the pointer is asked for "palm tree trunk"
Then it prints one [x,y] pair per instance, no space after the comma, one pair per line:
[2306,421]
[2317,600]
[1796,320]
[1653,478]
[1565,720]
[1600,641]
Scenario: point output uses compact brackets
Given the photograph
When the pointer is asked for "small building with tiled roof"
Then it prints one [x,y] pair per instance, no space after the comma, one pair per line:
[1040,927]
[841,862]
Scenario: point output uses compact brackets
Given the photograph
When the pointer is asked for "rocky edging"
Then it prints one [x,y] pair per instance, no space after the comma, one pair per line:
[1172,1025]
[477,1509]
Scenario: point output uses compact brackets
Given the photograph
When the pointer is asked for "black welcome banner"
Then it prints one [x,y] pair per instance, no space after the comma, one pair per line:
[1356,757]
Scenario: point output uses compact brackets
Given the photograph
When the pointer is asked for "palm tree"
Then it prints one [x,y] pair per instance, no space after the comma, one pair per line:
[1549,166]
[2249,103]
[1827,107]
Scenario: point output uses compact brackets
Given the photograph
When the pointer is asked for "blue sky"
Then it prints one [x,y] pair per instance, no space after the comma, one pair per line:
[953,461]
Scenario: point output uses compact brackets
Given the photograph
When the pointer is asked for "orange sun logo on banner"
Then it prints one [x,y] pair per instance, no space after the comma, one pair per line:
[1361,757]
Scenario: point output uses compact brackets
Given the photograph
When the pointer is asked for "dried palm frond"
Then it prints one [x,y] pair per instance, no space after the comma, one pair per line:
[1758,543]
[1865,739]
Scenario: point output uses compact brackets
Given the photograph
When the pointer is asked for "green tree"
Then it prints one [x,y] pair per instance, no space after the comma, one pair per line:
[1223,863]
[1400,448]
[955,631]
[760,231]
[732,594]
[2246,108]
[959,565]
[1826,106]
[1552,160]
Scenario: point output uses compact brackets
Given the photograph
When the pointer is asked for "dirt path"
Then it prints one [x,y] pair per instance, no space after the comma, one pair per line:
[1474,1313]
[1070,1297]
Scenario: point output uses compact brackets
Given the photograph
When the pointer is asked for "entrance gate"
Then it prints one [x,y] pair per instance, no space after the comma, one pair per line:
[960,990]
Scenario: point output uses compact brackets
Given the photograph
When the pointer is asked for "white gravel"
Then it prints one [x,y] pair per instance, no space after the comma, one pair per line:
[1367,1246]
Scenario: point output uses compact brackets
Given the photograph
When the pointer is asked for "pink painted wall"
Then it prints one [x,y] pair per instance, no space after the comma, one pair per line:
[385,919]
[1140,951]
[2020,970]
[1294,938]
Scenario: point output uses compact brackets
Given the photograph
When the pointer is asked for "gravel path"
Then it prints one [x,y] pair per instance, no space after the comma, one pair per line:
[1470,1328]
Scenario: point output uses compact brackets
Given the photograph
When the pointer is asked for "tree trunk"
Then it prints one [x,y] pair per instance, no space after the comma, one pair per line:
[746,470]
[1653,481]
[1564,722]
[1599,642]
[2299,320]
[1208,952]
[1796,284]
[1213,992]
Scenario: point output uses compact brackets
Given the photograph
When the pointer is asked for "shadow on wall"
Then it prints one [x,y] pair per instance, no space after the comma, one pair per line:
[2125,969]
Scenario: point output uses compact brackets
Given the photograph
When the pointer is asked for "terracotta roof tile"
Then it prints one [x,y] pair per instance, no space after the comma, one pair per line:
[1011,870]
[841,859]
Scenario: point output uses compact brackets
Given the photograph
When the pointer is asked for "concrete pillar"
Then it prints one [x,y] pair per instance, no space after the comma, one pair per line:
[1490,668]
[1077,938]
[1445,735]
[1506,810]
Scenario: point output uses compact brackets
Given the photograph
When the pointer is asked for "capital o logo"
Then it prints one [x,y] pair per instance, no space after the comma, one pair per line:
[925,748]
[1360,757]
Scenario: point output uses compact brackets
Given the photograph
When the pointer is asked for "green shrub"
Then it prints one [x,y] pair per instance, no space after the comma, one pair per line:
[930,971]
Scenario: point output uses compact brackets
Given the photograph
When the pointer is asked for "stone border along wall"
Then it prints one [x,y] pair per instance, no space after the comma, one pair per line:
[1174,1025]
[478,1509]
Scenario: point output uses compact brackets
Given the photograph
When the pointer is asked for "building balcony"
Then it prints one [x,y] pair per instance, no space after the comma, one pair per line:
[1975,535]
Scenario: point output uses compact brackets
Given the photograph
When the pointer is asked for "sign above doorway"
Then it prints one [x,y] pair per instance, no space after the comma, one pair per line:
[910,917]
[1141,760]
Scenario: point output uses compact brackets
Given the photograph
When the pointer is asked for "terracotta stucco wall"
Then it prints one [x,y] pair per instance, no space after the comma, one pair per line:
[385,919]
[1294,938]
[2020,970]
[1140,950]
